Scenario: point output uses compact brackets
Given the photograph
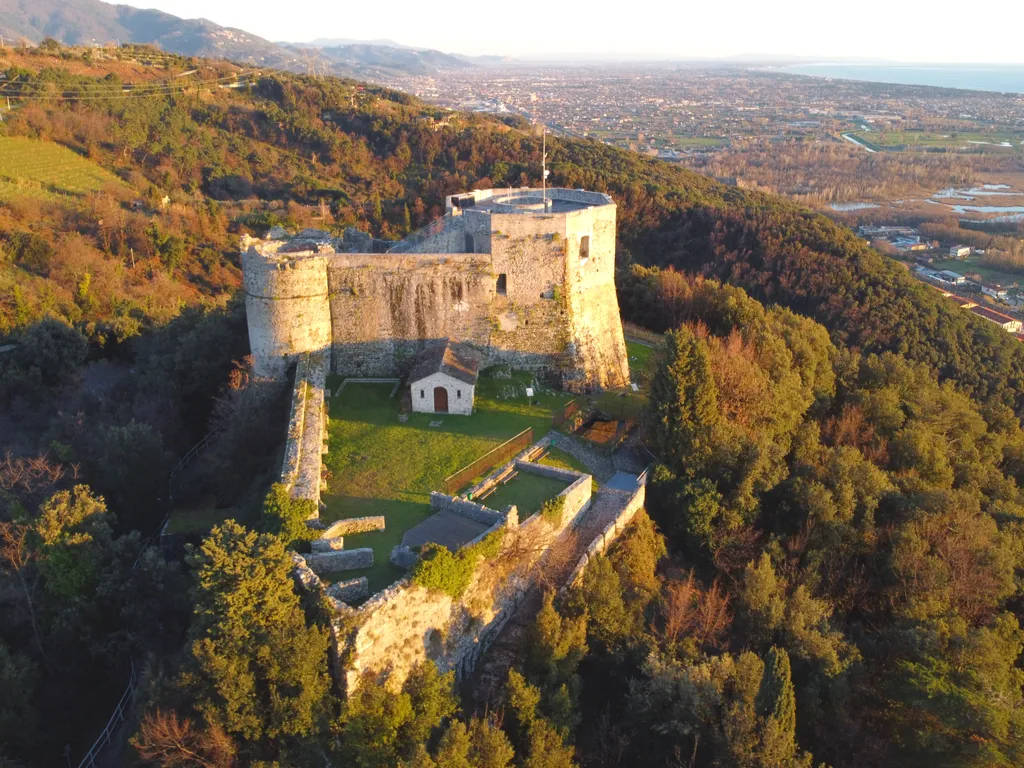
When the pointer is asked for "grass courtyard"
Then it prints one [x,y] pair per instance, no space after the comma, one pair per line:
[382,466]
[527,491]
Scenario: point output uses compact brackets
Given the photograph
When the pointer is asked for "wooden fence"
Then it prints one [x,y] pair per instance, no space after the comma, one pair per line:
[571,408]
[489,460]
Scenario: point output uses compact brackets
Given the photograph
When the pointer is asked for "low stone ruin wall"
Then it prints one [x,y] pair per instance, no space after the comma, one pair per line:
[353,525]
[340,560]
[611,532]
[301,470]
[577,496]
[478,512]
[327,545]
[350,591]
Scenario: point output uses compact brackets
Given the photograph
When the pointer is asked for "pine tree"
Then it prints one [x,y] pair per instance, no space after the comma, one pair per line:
[776,703]
[254,668]
[683,404]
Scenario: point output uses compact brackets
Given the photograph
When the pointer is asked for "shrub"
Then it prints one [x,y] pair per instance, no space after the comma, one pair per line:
[287,517]
[553,510]
[441,570]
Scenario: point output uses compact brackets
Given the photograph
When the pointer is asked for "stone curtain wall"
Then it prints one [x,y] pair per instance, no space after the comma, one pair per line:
[612,531]
[301,469]
[577,496]
[385,309]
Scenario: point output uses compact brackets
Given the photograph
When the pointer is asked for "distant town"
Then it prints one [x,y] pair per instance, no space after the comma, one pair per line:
[953,271]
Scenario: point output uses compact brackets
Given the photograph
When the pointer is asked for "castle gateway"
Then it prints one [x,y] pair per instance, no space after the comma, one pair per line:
[523,278]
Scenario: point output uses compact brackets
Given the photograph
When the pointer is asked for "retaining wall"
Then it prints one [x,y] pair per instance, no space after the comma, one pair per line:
[611,532]
[340,560]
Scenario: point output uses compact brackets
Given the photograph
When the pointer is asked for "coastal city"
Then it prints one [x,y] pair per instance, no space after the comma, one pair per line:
[670,112]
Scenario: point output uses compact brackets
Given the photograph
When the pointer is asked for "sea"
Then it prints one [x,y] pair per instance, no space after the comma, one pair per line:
[1003,78]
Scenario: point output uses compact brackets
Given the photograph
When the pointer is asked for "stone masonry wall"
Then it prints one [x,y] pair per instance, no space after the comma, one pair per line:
[470,509]
[385,309]
[633,504]
[406,624]
[354,525]
[307,425]
[340,560]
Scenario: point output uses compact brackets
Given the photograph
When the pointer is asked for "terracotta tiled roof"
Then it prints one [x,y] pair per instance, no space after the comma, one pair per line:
[456,360]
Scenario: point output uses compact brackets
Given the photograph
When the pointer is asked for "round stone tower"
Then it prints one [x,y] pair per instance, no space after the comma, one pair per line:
[286,303]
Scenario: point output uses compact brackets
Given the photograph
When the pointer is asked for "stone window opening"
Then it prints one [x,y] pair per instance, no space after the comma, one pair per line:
[502,287]
[584,250]
[458,394]
[470,245]
[423,394]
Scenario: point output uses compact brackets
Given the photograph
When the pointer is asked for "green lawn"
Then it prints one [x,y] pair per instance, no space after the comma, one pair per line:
[556,457]
[527,491]
[381,466]
[639,361]
[44,170]
[971,265]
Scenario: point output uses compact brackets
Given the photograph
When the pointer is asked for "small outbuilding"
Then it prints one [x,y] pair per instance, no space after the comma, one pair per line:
[443,379]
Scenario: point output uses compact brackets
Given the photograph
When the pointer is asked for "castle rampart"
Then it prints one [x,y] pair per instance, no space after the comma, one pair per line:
[526,280]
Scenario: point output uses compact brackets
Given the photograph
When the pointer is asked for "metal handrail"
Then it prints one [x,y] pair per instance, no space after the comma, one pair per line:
[116,718]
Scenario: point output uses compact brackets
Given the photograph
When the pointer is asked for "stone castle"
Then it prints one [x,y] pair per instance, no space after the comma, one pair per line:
[526,277]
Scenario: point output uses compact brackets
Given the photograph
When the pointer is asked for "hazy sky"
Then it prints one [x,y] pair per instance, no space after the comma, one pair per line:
[899,30]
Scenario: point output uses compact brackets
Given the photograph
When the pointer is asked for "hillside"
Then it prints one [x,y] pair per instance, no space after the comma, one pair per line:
[829,561]
[368,156]
[93,22]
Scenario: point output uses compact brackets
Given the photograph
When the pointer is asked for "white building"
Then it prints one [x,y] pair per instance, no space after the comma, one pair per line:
[959,251]
[953,278]
[443,379]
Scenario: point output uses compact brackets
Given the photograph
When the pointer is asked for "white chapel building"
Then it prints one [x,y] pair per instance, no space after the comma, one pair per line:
[443,379]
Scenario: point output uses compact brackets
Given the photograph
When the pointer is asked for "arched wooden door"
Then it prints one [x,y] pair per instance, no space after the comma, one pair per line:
[440,400]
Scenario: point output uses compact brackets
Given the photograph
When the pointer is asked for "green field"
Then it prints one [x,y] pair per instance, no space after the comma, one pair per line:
[381,466]
[696,141]
[929,139]
[639,361]
[971,264]
[48,171]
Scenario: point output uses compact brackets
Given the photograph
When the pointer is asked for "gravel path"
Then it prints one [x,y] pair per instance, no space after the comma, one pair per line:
[599,465]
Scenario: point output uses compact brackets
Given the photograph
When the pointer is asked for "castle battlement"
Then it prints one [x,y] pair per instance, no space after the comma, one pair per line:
[525,276]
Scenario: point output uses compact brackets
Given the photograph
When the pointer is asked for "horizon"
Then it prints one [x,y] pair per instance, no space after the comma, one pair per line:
[594,38]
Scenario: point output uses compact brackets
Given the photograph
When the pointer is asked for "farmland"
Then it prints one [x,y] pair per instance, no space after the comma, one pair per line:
[47,171]
[1004,142]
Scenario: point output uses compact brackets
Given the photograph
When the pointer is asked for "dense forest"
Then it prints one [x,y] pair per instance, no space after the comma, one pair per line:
[829,570]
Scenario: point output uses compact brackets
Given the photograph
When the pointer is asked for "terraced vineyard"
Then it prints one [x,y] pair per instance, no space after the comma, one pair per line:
[47,171]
